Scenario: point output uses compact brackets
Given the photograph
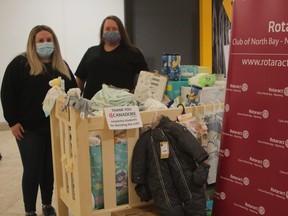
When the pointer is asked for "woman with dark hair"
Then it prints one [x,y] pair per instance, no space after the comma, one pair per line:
[24,87]
[115,61]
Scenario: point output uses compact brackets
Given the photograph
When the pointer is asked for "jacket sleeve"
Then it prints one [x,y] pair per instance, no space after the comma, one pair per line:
[190,145]
[139,161]
[139,168]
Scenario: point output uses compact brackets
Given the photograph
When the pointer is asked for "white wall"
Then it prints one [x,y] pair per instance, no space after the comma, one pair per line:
[75,22]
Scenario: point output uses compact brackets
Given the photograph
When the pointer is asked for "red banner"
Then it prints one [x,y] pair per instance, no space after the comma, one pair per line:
[252,174]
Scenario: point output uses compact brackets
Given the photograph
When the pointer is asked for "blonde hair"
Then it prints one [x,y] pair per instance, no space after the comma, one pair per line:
[37,67]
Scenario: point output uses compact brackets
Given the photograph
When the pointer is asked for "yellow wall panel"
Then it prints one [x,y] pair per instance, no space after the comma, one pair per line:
[206,33]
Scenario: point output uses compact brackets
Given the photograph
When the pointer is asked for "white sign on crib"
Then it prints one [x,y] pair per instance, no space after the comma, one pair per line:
[123,117]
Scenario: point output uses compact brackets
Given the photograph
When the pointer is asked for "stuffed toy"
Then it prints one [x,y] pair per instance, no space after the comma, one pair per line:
[55,82]
[202,79]
[52,95]
[74,99]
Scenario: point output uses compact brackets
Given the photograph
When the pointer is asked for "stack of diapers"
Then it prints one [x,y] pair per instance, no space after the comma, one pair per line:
[96,171]
[121,170]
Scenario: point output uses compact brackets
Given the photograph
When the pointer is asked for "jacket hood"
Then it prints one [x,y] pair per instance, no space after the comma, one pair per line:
[158,121]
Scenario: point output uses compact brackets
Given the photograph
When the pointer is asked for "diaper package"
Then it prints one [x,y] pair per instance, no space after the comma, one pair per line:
[171,66]
[150,85]
[173,88]
[188,71]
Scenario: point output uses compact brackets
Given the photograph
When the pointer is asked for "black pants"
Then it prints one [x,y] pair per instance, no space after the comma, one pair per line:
[36,156]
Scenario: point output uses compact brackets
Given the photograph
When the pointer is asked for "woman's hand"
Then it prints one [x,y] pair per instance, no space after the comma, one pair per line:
[17,131]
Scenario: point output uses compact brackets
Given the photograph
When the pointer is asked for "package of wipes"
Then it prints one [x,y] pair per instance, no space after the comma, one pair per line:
[150,85]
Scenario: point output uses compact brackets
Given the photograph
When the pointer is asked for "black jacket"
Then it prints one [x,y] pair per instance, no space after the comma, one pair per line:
[177,180]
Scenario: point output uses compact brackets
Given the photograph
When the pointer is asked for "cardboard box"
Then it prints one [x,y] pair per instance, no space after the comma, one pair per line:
[147,210]
[214,93]
[188,71]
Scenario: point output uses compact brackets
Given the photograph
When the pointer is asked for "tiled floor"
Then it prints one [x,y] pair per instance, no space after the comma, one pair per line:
[11,202]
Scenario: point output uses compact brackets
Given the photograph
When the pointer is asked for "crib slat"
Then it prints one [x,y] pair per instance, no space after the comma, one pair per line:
[81,164]
[62,208]
[108,161]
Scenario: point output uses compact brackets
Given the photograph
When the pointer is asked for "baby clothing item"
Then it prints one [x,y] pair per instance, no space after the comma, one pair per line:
[152,104]
[110,96]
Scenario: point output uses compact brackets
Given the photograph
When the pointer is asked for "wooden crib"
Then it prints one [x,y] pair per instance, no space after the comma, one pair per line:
[71,158]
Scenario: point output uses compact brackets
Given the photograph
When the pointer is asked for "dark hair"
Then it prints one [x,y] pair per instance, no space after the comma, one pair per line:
[125,40]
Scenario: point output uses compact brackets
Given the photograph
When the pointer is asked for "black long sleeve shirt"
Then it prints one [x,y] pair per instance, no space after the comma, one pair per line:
[22,94]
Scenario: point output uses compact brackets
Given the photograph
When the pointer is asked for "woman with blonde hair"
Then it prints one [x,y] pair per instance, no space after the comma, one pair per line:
[24,87]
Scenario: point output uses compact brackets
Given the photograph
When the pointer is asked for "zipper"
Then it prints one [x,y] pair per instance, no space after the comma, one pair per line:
[159,171]
[178,166]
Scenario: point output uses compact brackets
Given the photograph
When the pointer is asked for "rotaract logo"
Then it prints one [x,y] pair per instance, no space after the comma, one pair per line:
[246,181]
[245,134]
[226,153]
[286,91]
[227,107]
[261,210]
[266,163]
[222,196]
[244,87]
[265,114]
[286,143]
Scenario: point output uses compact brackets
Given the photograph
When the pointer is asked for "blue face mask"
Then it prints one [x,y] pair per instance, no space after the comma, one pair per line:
[112,37]
[45,50]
